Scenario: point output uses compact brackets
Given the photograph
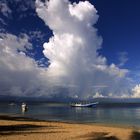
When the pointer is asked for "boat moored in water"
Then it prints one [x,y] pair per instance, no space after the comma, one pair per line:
[84,105]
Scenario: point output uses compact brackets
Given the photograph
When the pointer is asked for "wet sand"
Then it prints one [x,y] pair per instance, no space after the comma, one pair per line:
[18,128]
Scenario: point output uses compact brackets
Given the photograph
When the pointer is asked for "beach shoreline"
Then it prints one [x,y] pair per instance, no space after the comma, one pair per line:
[28,118]
[14,127]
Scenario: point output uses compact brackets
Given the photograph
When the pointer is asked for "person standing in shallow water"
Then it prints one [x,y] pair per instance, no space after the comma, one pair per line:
[24,107]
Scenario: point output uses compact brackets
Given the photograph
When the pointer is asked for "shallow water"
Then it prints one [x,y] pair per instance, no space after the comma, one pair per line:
[127,115]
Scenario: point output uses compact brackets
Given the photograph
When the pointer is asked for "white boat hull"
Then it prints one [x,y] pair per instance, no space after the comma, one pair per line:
[84,105]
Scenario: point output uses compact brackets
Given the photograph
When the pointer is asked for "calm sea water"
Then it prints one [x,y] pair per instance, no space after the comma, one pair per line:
[126,115]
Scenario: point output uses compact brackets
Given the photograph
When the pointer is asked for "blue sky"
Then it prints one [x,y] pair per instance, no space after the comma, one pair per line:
[118,25]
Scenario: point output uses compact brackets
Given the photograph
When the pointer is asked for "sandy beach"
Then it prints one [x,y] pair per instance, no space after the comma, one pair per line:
[18,128]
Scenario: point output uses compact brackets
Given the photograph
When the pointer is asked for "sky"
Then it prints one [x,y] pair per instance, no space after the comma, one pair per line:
[70,48]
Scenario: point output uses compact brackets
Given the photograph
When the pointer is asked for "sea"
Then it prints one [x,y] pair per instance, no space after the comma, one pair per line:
[109,114]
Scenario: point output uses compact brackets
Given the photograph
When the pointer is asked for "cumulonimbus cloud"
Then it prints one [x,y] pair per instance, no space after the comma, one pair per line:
[76,69]
[73,49]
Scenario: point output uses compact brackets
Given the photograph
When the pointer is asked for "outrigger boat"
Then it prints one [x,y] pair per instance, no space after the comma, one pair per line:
[84,105]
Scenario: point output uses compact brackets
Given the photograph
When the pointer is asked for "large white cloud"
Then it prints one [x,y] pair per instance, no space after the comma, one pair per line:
[73,49]
[19,74]
[76,69]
